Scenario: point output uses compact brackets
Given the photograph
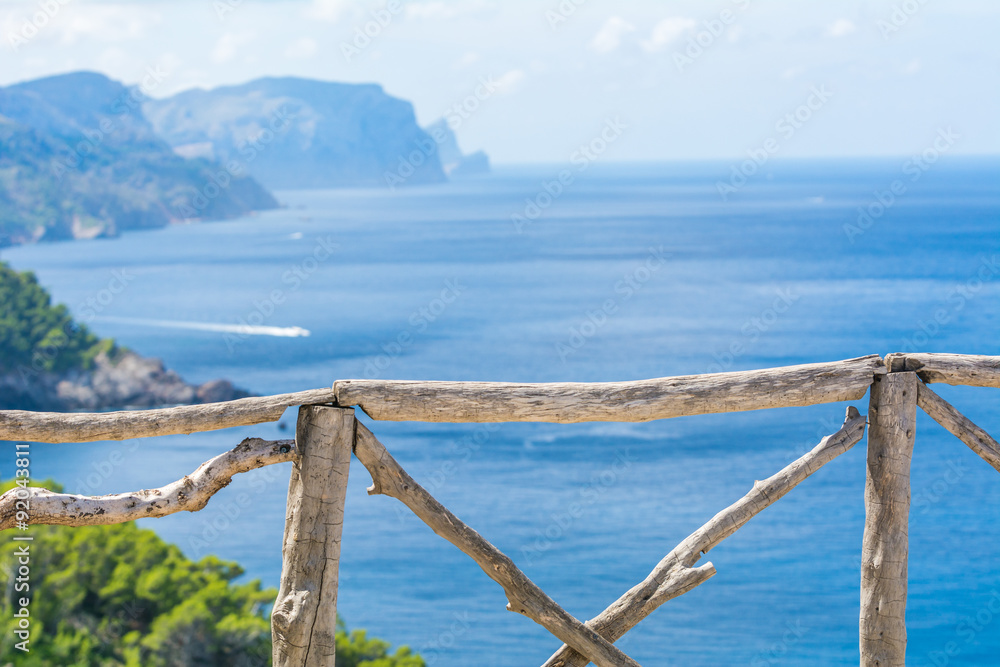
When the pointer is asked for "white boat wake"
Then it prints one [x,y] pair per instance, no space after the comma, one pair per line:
[241,329]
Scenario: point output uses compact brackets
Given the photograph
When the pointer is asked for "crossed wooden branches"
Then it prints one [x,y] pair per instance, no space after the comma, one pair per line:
[304,616]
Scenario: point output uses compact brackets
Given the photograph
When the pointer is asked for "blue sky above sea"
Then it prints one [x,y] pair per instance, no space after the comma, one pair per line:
[535,81]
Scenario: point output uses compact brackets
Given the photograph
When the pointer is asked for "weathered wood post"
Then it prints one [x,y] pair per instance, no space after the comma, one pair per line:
[892,417]
[304,620]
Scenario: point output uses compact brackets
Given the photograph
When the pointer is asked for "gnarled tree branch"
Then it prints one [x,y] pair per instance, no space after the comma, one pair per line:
[524,596]
[189,494]
[674,575]
[88,427]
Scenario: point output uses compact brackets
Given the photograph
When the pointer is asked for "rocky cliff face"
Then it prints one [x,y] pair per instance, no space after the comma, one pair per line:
[455,162]
[78,159]
[127,381]
[294,133]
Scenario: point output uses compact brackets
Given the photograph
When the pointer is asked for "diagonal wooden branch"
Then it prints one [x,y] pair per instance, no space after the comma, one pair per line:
[88,427]
[674,575]
[189,494]
[959,425]
[524,597]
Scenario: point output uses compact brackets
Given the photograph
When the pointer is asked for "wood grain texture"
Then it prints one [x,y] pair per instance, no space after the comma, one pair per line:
[973,370]
[91,426]
[959,425]
[882,623]
[189,494]
[524,597]
[304,619]
[676,574]
[642,400]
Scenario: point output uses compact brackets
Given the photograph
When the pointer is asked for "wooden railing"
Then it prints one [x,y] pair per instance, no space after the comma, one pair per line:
[303,619]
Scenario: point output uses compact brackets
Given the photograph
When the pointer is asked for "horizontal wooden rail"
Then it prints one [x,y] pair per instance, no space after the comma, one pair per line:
[674,575]
[959,425]
[523,595]
[973,370]
[641,400]
[91,426]
[189,494]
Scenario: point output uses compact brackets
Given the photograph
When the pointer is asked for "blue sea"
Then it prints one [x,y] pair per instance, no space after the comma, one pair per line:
[629,271]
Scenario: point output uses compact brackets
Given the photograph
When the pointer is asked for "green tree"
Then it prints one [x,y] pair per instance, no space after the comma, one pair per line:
[119,596]
[36,336]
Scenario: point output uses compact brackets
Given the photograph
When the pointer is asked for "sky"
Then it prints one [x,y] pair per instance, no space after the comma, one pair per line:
[533,81]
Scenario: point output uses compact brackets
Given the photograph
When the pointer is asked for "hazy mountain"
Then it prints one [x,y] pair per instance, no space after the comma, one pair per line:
[301,133]
[78,159]
[456,163]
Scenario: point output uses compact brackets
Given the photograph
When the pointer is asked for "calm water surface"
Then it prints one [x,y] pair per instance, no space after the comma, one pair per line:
[632,272]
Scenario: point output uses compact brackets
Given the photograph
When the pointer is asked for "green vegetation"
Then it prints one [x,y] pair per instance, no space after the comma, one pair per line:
[119,596]
[36,336]
[78,159]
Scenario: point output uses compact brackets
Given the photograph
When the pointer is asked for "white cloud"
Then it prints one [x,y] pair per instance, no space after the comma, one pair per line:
[226,47]
[792,72]
[467,59]
[609,37]
[913,66]
[841,27]
[509,81]
[667,31]
[303,47]
[443,10]
[326,10]
[113,59]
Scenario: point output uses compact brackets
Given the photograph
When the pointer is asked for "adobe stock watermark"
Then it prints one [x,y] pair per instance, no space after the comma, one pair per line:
[365,34]
[224,516]
[462,450]
[625,288]
[968,628]
[294,277]
[562,12]
[219,181]
[899,16]
[446,639]
[101,471]
[931,494]
[123,106]
[711,30]
[956,300]
[827,425]
[914,167]
[425,147]
[418,321]
[225,7]
[786,127]
[88,309]
[32,25]
[594,490]
[776,653]
[581,159]
[753,329]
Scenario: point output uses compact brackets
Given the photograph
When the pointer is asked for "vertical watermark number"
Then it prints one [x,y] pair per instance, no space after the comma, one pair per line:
[22,555]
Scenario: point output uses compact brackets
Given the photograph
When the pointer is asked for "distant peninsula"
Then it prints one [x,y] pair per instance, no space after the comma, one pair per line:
[78,159]
[311,134]
[49,362]
[83,156]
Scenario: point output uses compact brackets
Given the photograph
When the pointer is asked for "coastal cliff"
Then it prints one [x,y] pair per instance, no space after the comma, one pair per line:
[294,133]
[78,159]
[49,362]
